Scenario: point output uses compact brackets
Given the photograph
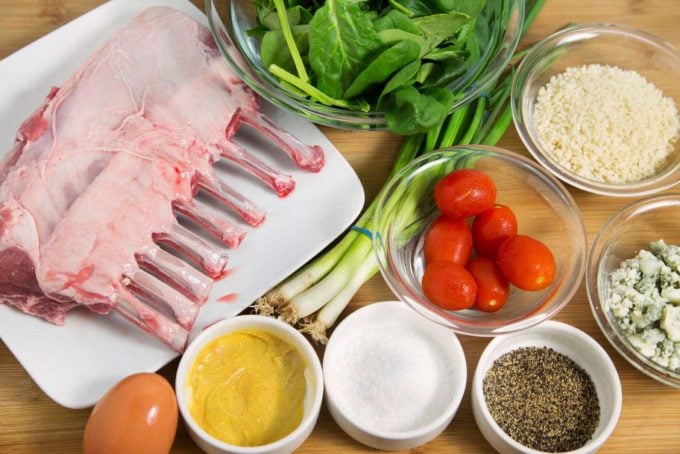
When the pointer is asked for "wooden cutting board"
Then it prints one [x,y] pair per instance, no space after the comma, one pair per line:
[650,420]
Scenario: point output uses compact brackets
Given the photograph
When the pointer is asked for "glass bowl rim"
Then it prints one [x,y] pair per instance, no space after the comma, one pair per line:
[441,317]
[348,119]
[527,67]
[601,243]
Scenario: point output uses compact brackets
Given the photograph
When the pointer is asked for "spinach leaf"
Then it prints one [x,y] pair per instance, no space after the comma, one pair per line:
[438,27]
[383,66]
[263,7]
[442,95]
[444,53]
[409,111]
[372,15]
[416,8]
[297,15]
[473,48]
[445,73]
[462,35]
[425,71]
[405,76]
[341,41]
[395,35]
[470,7]
[273,48]
[398,20]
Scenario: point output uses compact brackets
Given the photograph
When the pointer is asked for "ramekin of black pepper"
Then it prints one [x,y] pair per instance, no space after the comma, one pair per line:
[551,388]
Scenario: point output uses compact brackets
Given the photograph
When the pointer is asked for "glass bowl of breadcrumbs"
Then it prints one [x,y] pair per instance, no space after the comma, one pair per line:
[597,105]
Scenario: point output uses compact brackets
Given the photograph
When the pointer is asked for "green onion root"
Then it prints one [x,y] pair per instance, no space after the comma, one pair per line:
[312,299]
[330,312]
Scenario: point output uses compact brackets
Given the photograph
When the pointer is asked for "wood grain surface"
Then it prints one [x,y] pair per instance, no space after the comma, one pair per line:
[650,420]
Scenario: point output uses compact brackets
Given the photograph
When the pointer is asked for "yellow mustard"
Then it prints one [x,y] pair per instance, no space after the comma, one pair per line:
[248,387]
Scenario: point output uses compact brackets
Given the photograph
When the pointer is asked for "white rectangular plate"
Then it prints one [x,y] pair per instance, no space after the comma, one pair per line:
[76,363]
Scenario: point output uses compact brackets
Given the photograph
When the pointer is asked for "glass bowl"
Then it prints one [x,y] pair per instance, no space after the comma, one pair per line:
[231,19]
[544,210]
[606,44]
[620,238]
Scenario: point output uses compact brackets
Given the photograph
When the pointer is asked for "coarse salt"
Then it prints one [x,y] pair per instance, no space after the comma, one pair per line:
[391,378]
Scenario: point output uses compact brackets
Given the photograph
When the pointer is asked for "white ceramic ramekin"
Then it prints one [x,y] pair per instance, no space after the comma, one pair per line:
[569,341]
[397,314]
[313,399]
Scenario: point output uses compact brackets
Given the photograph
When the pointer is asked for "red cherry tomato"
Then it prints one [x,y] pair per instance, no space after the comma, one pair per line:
[449,286]
[448,240]
[527,263]
[492,287]
[491,227]
[464,193]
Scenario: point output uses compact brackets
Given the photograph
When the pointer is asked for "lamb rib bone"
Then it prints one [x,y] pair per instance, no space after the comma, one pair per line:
[164,298]
[205,217]
[281,183]
[152,321]
[182,276]
[184,241]
[250,212]
[306,157]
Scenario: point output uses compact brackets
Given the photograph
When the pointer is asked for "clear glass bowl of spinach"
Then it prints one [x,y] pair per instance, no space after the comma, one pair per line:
[401,65]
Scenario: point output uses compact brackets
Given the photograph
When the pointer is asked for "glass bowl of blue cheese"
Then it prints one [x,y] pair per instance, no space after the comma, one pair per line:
[633,284]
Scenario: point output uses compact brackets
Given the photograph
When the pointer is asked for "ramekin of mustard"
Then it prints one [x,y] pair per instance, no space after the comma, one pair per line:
[249,384]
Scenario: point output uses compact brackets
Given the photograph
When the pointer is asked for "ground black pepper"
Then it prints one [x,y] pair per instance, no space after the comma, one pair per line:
[542,399]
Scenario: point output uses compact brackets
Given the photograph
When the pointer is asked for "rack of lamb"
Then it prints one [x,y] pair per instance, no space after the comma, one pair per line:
[98,174]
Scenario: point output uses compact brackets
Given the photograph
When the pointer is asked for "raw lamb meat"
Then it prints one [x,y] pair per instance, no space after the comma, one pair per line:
[100,170]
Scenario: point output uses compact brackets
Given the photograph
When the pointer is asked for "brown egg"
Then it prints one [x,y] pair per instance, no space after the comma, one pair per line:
[138,415]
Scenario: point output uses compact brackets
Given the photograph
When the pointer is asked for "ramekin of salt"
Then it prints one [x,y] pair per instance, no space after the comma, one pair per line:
[393,379]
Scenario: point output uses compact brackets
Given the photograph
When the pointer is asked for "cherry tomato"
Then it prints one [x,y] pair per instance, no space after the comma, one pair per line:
[526,263]
[448,240]
[491,227]
[449,286]
[492,287]
[464,193]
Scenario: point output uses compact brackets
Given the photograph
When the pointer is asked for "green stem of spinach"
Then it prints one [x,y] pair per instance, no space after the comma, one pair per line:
[314,92]
[290,41]
[399,7]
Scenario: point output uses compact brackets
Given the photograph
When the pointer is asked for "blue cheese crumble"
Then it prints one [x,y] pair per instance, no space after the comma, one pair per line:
[645,301]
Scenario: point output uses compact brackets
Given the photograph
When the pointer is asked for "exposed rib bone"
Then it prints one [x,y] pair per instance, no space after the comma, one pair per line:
[306,157]
[220,228]
[164,298]
[281,183]
[250,212]
[177,273]
[152,321]
[187,243]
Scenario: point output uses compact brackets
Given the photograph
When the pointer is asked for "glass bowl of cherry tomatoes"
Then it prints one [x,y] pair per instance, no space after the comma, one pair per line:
[479,239]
